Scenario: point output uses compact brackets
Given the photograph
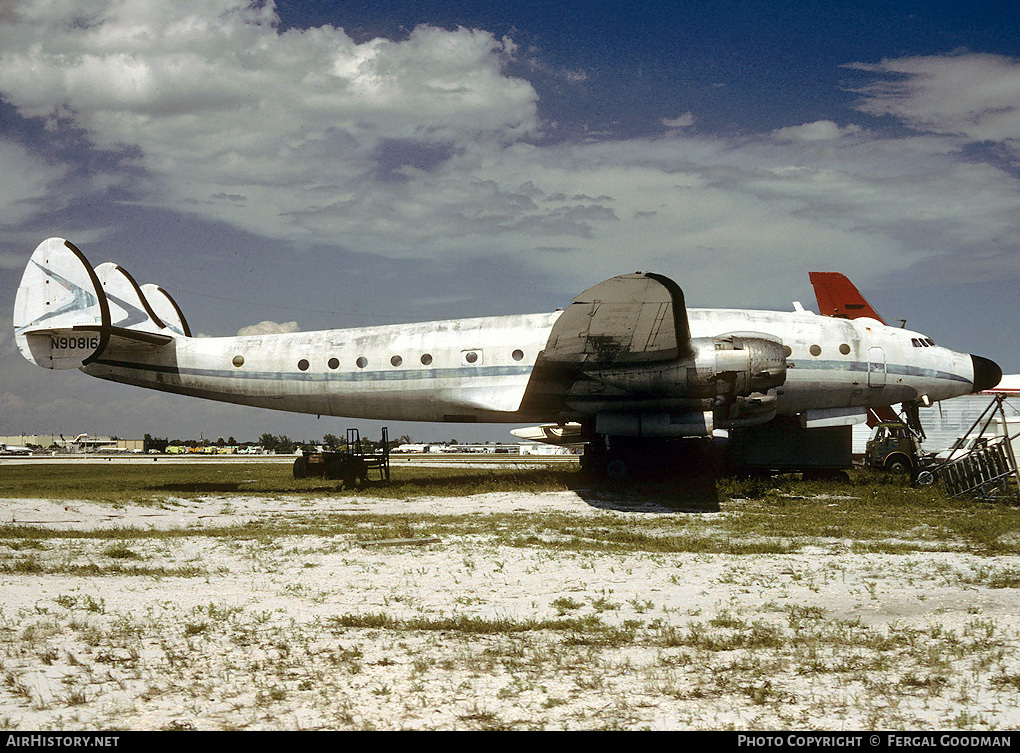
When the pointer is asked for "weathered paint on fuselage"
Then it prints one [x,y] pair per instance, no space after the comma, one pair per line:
[458,370]
[840,363]
[478,369]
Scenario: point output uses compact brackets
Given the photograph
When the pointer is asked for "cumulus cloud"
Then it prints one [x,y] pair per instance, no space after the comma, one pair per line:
[820,130]
[268,328]
[425,147]
[243,122]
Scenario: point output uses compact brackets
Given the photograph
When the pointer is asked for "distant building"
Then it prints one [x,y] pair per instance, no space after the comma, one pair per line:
[945,422]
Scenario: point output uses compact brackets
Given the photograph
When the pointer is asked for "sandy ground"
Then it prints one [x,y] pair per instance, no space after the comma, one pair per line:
[321,632]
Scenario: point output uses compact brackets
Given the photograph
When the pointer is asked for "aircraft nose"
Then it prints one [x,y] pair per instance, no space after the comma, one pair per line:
[986,373]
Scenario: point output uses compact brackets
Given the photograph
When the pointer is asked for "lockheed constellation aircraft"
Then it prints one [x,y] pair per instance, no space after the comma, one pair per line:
[627,361]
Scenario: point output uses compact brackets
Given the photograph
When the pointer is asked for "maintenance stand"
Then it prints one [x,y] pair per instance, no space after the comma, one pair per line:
[351,464]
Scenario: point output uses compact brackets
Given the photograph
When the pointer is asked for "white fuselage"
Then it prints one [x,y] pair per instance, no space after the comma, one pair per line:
[479,369]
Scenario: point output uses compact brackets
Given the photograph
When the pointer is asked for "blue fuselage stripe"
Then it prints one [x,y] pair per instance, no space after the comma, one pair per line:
[864,367]
[396,375]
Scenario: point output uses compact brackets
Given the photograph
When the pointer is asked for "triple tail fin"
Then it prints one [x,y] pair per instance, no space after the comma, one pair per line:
[67,313]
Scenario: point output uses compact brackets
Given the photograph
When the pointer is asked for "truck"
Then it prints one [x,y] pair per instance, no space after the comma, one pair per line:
[893,447]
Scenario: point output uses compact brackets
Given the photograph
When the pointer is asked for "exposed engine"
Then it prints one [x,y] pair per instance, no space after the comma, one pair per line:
[729,381]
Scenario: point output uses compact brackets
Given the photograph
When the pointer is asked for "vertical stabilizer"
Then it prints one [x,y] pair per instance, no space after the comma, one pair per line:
[129,308]
[166,309]
[839,297]
[61,315]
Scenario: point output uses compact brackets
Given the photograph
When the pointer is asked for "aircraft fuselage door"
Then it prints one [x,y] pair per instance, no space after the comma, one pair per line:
[876,367]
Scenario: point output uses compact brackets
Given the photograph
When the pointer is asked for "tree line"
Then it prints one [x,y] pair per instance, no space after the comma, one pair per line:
[281,444]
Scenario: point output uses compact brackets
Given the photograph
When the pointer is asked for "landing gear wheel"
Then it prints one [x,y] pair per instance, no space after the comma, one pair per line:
[924,478]
[301,467]
[616,468]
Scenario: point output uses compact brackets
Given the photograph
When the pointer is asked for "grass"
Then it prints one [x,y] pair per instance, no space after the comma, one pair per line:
[766,516]
[131,483]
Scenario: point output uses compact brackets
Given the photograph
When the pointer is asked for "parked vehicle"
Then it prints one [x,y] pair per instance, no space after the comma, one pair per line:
[893,447]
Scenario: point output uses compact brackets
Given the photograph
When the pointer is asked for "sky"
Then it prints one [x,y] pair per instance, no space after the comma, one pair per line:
[311,165]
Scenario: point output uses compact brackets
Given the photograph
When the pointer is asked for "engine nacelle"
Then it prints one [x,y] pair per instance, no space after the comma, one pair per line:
[744,364]
[722,369]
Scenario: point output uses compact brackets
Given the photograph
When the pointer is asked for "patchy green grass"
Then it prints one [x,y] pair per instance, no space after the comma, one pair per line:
[140,483]
[873,513]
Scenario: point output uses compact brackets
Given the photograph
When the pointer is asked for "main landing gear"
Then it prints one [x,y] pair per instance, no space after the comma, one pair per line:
[615,459]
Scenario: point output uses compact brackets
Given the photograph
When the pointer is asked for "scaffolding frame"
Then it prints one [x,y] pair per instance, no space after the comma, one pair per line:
[986,472]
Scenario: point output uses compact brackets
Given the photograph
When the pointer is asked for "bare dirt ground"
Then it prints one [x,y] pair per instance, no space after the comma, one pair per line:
[196,629]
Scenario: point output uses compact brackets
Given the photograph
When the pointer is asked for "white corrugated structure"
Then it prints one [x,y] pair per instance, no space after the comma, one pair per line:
[949,420]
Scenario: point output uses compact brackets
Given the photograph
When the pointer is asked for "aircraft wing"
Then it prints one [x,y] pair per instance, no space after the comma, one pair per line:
[627,320]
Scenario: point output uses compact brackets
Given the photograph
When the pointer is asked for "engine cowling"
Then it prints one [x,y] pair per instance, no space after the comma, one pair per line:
[732,379]
[721,369]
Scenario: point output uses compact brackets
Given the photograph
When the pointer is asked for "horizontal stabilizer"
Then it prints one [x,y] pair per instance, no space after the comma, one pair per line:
[120,337]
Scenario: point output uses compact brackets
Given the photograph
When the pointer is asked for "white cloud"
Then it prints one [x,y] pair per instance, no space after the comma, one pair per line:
[683,121]
[245,123]
[973,96]
[820,130]
[268,328]
[420,148]
[26,182]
